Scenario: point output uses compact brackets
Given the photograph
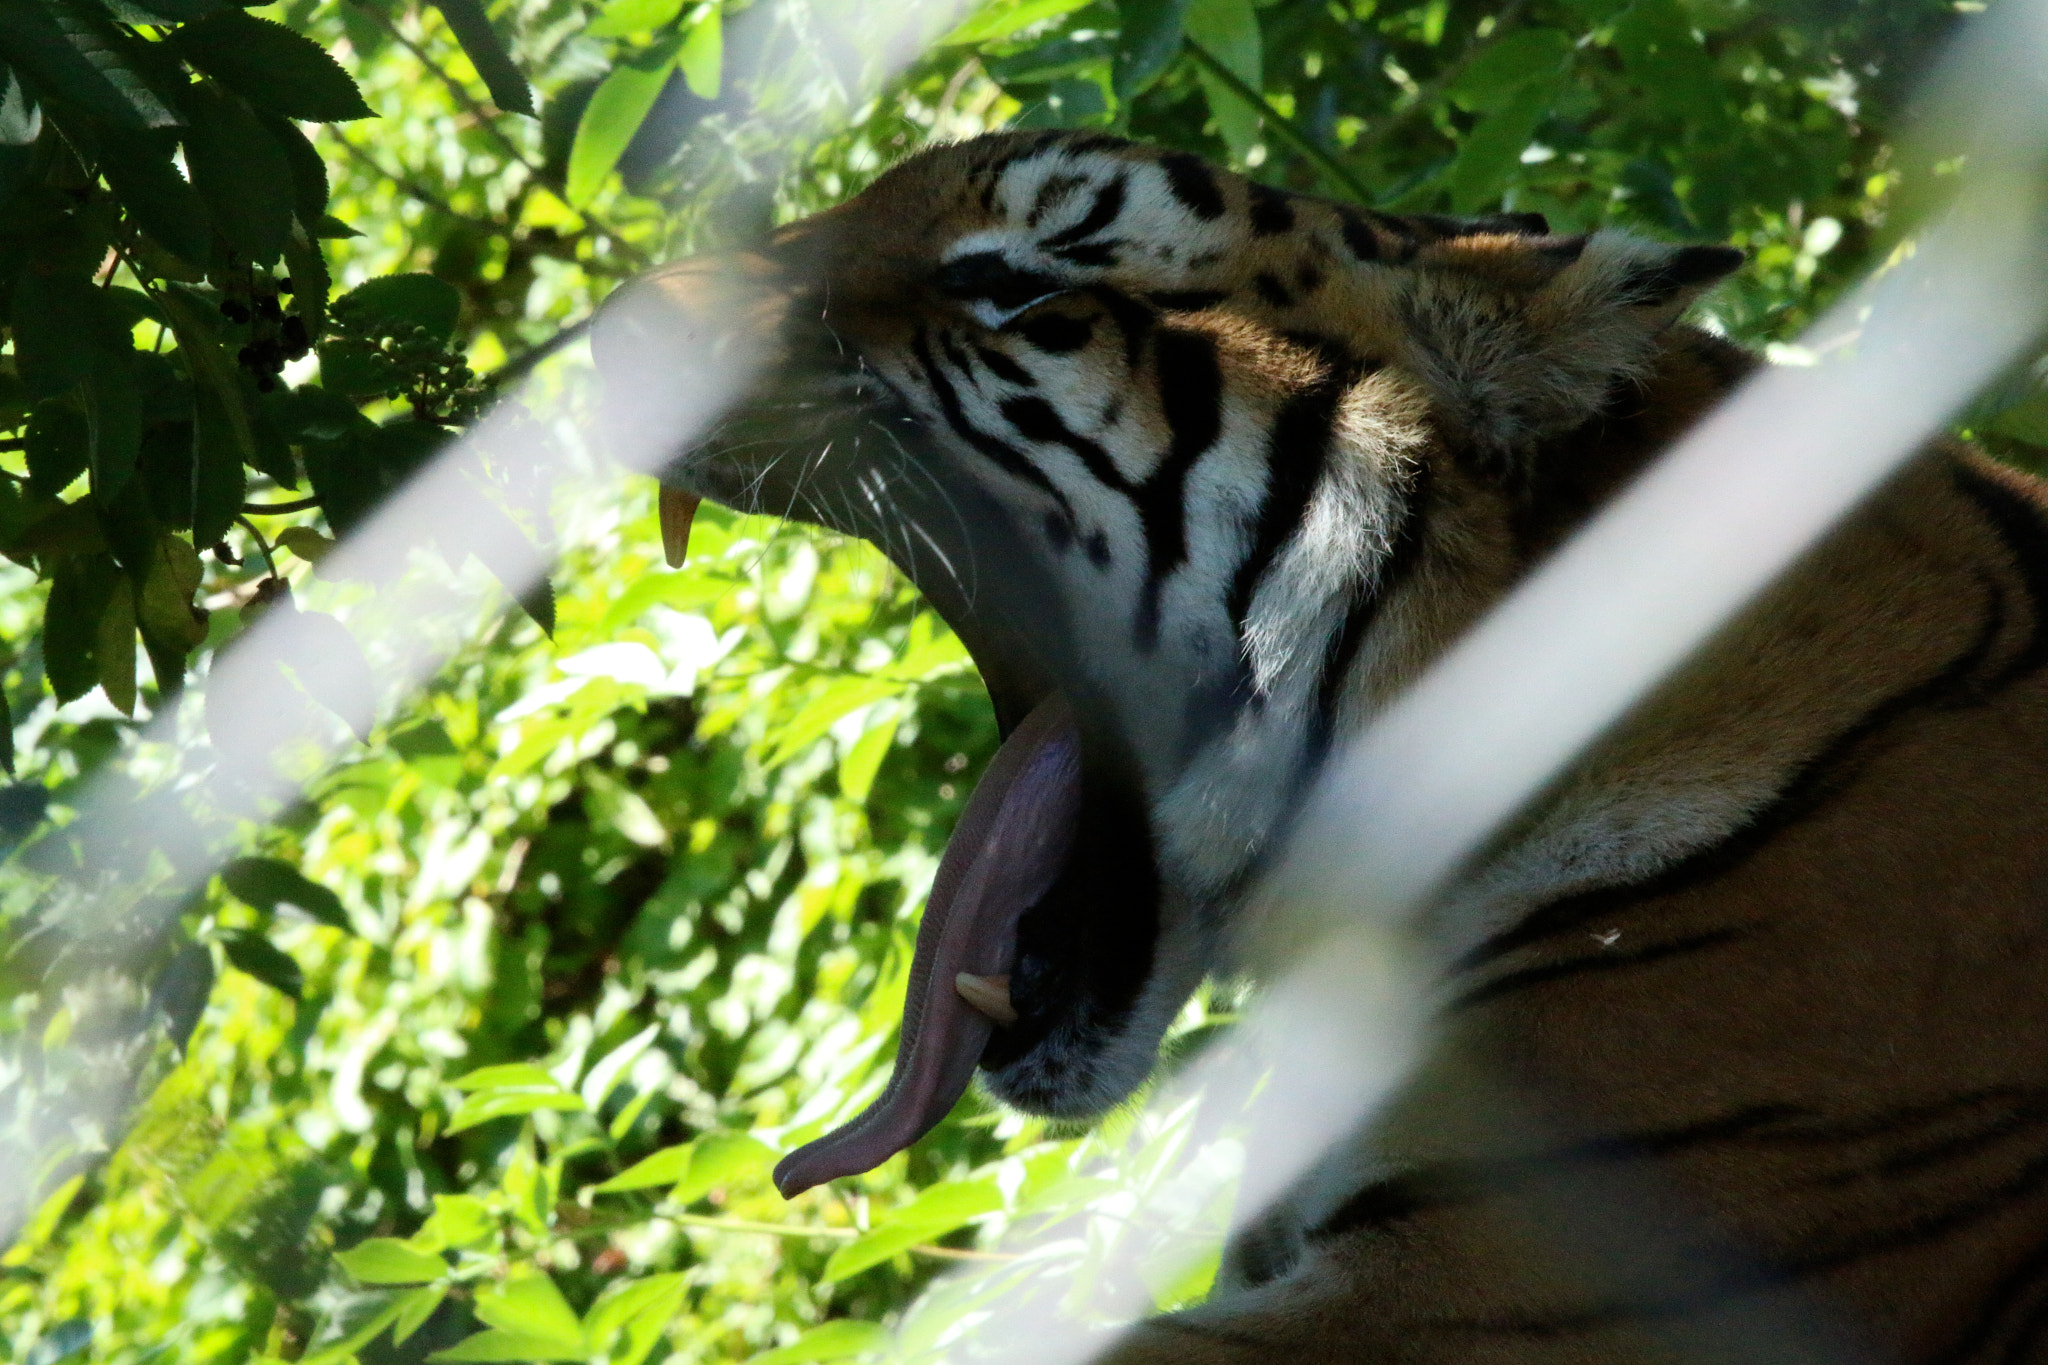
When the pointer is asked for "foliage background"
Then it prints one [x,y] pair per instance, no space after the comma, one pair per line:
[484,1045]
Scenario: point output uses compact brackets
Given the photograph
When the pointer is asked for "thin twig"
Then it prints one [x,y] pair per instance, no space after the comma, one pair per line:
[414,188]
[518,365]
[1281,125]
[456,88]
[261,544]
[278,509]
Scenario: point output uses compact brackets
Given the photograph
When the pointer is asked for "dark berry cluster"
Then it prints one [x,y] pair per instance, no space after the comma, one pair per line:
[274,335]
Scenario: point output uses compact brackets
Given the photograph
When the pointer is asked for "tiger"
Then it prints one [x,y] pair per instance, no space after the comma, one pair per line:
[1204,473]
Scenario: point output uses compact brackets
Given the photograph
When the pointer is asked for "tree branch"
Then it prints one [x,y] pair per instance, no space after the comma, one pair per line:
[1283,127]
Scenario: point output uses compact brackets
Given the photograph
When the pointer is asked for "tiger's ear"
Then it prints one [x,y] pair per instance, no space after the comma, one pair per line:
[1535,336]
[1671,278]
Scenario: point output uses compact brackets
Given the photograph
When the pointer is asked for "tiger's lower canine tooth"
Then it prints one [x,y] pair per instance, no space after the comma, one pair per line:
[678,508]
[989,994]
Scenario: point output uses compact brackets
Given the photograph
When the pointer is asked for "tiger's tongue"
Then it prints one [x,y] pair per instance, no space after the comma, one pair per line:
[1009,846]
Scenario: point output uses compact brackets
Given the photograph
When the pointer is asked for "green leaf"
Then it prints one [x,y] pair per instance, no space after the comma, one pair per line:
[858,767]
[113,418]
[497,1344]
[310,281]
[80,589]
[532,1306]
[57,444]
[1492,151]
[666,1167]
[939,1210]
[331,666]
[624,18]
[614,114]
[1151,38]
[64,330]
[606,1073]
[841,697]
[397,302]
[836,1340]
[720,1159]
[241,172]
[267,883]
[145,178]
[171,626]
[643,1308]
[488,54]
[1507,64]
[506,1091]
[507,1075]
[499,1104]
[387,1260]
[2026,420]
[702,56]
[223,439]
[259,957]
[115,649]
[1666,61]
[70,57]
[1228,30]
[272,67]
[309,172]
[1005,17]
[458,1220]
[415,1307]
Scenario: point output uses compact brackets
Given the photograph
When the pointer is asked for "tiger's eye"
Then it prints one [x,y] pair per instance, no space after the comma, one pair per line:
[986,275]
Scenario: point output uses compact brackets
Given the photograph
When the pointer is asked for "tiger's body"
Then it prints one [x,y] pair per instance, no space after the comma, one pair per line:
[1226,469]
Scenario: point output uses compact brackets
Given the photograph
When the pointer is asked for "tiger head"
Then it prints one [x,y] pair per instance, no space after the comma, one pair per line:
[1201,472]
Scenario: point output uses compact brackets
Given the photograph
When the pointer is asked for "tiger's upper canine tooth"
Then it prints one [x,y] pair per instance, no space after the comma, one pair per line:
[989,994]
[678,508]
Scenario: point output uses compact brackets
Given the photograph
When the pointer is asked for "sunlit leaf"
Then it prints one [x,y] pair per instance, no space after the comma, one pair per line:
[721,1159]
[665,1167]
[488,54]
[1228,30]
[937,1211]
[863,760]
[613,115]
[508,1076]
[702,56]
[840,698]
[114,649]
[251,952]
[387,1260]
[606,1073]
[1005,17]
[836,1340]
[641,1308]
[624,18]
[415,1307]
[531,1306]
[267,883]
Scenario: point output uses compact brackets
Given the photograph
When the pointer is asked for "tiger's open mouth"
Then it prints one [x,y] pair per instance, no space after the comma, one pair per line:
[1038,939]
[1007,974]
[1009,848]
